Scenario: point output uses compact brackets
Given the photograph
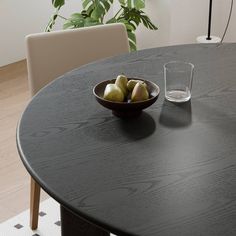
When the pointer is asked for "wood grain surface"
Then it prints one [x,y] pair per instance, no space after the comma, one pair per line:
[169,172]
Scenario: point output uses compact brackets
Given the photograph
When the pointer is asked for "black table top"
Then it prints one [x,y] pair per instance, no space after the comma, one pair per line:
[169,172]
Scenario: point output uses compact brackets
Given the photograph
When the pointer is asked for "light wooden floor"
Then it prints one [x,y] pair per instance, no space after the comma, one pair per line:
[14,180]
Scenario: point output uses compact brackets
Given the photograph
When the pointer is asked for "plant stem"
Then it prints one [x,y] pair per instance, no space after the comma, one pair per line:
[62,17]
[117,13]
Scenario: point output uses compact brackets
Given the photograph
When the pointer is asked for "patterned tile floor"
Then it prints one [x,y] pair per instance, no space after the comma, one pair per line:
[49,222]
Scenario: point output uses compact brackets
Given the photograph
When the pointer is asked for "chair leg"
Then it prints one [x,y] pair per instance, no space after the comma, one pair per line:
[34,204]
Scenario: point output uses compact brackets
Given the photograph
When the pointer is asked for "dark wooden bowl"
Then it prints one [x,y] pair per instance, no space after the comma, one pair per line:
[126,109]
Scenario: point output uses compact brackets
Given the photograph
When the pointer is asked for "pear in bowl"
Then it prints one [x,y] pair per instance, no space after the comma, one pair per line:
[131,84]
[113,93]
[121,82]
[139,93]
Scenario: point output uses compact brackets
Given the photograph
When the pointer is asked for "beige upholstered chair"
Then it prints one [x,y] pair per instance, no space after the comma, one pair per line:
[50,55]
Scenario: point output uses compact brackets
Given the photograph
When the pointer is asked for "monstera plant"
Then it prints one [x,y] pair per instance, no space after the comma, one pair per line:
[130,13]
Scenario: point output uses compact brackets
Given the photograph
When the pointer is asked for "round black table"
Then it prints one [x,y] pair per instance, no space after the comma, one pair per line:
[171,171]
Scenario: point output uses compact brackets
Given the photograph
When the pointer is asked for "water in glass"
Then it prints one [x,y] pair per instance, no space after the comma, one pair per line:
[178,95]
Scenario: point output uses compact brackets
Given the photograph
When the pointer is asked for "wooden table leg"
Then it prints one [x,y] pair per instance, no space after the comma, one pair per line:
[73,225]
[34,204]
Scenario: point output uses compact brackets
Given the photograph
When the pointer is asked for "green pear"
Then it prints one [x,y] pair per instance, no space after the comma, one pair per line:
[139,92]
[113,93]
[121,82]
[131,83]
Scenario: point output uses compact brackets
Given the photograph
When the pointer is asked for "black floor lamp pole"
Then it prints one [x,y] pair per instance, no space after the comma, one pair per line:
[209,21]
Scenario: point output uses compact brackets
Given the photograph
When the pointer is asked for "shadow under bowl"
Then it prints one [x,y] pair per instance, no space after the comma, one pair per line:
[126,109]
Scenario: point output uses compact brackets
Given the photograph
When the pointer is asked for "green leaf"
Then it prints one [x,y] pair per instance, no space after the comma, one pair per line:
[106,4]
[122,2]
[98,12]
[58,3]
[76,20]
[111,21]
[129,25]
[129,3]
[76,16]
[147,22]
[68,25]
[90,9]
[86,3]
[139,4]
[135,17]
[132,40]
[131,36]
[133,46]
[91,22]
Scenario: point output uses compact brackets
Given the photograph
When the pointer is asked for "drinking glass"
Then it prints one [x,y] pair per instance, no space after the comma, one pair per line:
[178,77]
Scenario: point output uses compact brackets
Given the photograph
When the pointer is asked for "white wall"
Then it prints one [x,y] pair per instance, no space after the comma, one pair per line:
[179,21]
[21,17]
[231,34]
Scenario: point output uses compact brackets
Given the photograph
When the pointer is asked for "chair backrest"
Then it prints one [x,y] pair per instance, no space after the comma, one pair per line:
[50,55]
